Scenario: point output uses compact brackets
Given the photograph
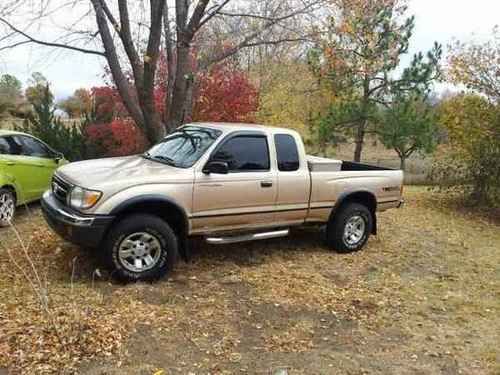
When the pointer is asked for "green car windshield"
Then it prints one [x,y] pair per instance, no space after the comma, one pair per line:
[184,147]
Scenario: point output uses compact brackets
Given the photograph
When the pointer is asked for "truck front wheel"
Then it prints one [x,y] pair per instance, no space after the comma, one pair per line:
[348,229]
[141,248]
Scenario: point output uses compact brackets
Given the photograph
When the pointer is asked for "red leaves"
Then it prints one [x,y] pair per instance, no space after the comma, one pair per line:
[107,104]
[119,138]
[225,94]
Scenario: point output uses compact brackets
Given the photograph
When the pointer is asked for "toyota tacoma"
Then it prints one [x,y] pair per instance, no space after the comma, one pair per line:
[228,183]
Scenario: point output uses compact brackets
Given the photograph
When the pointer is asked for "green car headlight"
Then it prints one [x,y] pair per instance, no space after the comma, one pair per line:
[83,199]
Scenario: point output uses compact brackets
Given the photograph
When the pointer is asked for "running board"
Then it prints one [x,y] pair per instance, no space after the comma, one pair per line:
[247,237]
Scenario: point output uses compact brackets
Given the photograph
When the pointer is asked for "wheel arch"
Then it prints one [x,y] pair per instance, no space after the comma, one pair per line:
[364,197]
[157,205]
[160,206]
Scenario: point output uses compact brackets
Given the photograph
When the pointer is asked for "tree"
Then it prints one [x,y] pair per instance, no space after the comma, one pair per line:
[477,65]
[473,126]
[407,126]
[473,120]
[77,104]
[44,124]
[10,88]
[225,94]
[361,54]
[132,42]
[38,92]
[10,93]
[293,102]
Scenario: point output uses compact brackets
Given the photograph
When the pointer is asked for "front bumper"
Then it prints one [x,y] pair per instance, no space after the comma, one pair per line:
[79,229]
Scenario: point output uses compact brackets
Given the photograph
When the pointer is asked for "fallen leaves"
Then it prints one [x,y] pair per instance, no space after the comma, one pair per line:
[423,292]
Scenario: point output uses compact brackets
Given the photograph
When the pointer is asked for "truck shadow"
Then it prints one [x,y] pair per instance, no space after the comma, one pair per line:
[303,240]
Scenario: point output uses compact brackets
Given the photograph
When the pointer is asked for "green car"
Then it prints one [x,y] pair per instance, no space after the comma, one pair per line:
[26,168]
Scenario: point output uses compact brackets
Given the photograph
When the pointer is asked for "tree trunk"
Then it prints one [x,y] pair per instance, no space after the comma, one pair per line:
[402,165]
[188,103]
[176,114]
[361,130]
[359,140]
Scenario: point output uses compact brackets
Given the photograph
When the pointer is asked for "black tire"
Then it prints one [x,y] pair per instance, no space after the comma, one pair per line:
[7,195]
[336,234]
[132,226]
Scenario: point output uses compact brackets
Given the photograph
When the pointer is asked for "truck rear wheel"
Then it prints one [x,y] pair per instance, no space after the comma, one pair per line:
[141,248]
[349,229]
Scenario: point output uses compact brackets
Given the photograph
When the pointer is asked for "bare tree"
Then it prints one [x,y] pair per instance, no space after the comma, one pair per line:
[129,34]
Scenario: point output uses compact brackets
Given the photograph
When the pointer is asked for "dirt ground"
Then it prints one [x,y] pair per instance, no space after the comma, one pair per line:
[422,298]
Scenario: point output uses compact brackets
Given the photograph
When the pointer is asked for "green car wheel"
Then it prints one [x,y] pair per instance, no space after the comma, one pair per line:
[7,207]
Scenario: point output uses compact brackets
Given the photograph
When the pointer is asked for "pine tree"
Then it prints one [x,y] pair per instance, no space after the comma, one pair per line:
[367,39]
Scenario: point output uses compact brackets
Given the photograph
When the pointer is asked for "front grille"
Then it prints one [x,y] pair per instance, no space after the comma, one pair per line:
[60,188]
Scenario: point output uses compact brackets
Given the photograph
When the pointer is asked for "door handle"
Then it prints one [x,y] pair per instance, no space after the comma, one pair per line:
[266,184]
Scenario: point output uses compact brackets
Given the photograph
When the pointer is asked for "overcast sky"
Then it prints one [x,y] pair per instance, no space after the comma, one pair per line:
[436,20]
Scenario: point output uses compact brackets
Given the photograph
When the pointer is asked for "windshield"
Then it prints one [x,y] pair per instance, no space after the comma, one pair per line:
[184,147]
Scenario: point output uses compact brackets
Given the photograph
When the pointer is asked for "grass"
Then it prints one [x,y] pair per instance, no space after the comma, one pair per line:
[422,298]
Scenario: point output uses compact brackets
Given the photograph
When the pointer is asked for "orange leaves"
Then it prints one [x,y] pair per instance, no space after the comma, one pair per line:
[476,65]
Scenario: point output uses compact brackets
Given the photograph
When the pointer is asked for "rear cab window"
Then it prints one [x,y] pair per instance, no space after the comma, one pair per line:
[287,153]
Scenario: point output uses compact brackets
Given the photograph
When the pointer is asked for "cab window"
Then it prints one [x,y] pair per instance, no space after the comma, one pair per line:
[287,153]
[244,153]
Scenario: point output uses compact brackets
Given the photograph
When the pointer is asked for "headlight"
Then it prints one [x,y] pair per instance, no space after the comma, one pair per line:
[83,199]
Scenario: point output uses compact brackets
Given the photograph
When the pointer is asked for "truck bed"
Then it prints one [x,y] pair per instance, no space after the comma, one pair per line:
[318,164]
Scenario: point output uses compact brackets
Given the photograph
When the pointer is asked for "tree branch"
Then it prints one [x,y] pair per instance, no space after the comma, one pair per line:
[194,22]
[246,42]
[114,65]
[213,13]
[30,39]
[128,44]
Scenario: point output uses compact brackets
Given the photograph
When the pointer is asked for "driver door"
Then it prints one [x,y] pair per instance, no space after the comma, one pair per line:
[245,197]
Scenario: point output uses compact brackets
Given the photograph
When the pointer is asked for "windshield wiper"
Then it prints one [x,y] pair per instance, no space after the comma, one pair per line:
[166,159]
[160,158]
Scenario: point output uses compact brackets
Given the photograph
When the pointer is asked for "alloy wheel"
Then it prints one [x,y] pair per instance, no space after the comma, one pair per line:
[7,207]
[139,252]
[354,230]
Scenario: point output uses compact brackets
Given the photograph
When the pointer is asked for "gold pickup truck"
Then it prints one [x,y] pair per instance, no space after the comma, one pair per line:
[226,182]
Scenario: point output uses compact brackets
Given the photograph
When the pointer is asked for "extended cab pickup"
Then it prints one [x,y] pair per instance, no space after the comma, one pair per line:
[226,182]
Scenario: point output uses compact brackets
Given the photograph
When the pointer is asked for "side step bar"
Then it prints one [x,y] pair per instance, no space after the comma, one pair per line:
[247,237]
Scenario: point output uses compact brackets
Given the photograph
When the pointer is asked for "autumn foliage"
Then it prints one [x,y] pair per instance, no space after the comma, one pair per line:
[222,94]
[118,138]
[225,94]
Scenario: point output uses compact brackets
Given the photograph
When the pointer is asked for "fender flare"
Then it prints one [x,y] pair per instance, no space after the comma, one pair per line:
[359,196]
[150,198]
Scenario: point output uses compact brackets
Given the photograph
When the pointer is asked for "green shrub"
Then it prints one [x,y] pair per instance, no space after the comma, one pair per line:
[45,125]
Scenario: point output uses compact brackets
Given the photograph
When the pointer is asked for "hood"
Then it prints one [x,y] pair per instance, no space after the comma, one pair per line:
[116,172]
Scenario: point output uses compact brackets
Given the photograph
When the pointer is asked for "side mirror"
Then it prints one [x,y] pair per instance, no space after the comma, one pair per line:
[58,157]
[217,167]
